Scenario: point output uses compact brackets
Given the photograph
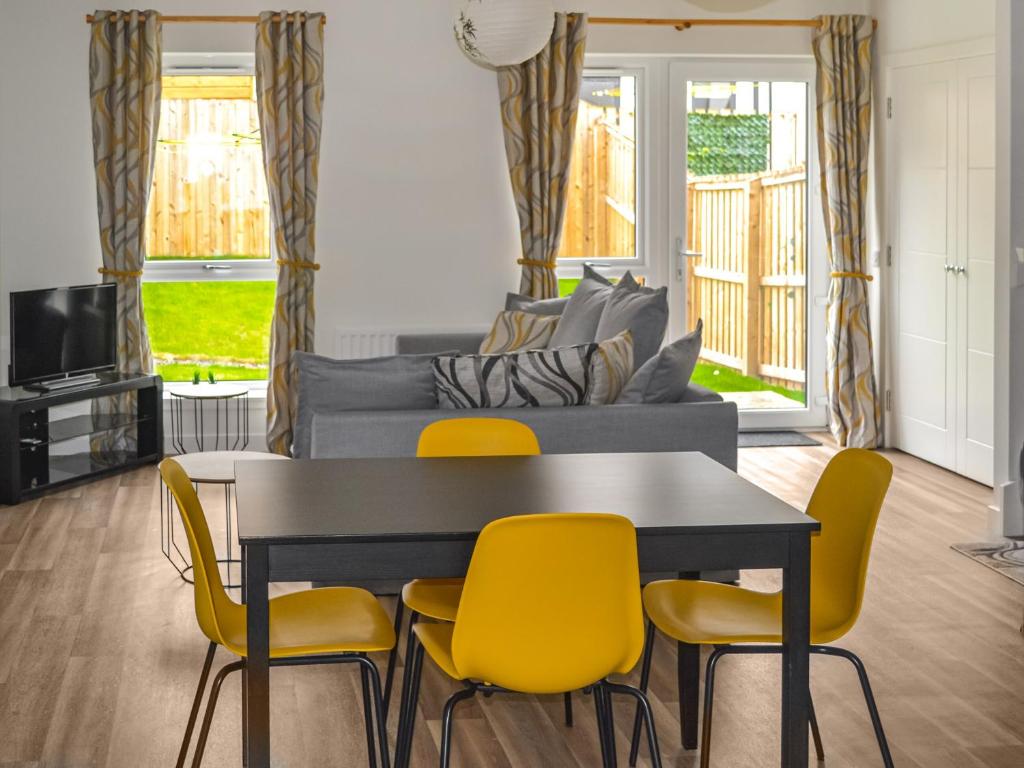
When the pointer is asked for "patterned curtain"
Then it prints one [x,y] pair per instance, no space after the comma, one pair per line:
[290,92]
[842,48]
[539,99]
[124,92]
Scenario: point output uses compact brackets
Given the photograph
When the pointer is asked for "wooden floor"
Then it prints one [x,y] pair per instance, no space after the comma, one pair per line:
[100,652]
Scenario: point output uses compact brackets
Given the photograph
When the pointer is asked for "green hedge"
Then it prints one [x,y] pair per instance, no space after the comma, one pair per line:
[726,144]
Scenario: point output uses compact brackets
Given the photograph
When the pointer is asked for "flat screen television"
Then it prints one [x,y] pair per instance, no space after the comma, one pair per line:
[61,332]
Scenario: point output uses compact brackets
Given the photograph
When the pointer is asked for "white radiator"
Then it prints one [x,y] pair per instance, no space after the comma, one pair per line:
[356,344]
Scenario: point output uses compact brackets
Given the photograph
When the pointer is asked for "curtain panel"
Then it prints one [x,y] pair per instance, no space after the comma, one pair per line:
[290,93]
[124,95]
[539,100]
[843,51]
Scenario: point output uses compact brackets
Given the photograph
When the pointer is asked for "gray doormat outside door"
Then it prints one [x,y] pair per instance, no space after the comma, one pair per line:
[775,439]
[1005,557]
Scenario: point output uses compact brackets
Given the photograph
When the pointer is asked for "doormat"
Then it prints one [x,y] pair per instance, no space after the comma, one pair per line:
[1005,557]
[775,439]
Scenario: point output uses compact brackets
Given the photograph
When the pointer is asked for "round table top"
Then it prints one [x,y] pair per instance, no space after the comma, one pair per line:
[207,391]
[219,466]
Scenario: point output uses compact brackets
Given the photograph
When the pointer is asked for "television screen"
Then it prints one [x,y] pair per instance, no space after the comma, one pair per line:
[62,331]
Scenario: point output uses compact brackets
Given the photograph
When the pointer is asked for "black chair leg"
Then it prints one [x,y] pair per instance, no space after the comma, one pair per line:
[709,703]
[371,749]
[446,723]
[203,676]
[211,705]
[406,676]
[407,723]
[869,697]
[373,677]
[602,725]
[393,656]
[567,698]
[645,677]
[609,716]
[819,749]
[645,709]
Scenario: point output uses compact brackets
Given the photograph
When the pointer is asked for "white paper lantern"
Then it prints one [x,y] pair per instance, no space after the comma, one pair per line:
[504,32]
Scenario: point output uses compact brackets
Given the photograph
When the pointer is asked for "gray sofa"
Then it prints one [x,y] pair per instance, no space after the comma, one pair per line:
[701,422]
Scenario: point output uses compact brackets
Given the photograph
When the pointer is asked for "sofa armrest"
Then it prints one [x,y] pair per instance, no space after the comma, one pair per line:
[436,343]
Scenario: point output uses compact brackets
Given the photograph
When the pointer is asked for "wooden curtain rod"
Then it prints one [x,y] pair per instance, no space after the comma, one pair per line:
[209,19]
[684,24]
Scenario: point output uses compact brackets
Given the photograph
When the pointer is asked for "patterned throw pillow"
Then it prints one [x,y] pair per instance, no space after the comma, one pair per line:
[611,368]
[515,331]
[543,378]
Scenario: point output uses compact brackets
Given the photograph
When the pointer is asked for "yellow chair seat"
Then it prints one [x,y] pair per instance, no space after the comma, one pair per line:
[318,621]
[707,613]
[436,640]
[434,598]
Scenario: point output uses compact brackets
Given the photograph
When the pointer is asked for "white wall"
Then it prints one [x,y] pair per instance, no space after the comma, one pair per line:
[1009,300]
[416,226]
[906,25]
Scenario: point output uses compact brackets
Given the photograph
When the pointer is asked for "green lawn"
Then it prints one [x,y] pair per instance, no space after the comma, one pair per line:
[722,379]
[223,327]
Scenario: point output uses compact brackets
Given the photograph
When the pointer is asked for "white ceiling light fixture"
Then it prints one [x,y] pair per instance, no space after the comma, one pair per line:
[729,6]
[500,33]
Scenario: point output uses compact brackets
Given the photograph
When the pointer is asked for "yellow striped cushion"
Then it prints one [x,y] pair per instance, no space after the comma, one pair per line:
[610,369]
[516,331]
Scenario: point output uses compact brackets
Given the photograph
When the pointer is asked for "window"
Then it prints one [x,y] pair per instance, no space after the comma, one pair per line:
[601,221]
[208,290]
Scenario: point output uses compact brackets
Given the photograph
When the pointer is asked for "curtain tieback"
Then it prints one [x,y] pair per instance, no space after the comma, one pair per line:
[298,264]
[120,274]
[855,275]
[535,263]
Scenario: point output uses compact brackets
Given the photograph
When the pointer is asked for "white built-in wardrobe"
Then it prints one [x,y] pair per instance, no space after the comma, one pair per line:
[941,179]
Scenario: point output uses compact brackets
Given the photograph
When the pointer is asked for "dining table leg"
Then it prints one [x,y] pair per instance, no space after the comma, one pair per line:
[257,678]
[796,629]
[688,680]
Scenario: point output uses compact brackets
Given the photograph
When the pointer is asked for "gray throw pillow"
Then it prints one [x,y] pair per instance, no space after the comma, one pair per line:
[665,377]
[642,311]
[399,382]
[583,311]
[517,302]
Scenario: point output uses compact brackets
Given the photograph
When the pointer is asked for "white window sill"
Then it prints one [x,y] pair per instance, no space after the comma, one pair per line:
[257,389]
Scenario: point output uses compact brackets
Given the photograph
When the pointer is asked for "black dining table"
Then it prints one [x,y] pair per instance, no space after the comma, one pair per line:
[358,520]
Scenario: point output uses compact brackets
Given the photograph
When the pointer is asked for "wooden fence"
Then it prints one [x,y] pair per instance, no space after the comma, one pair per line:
[600,217]
[749,286]
[209,194]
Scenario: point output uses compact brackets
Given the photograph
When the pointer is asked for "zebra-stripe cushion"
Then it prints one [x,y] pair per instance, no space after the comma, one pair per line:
[515,331]
[537,378]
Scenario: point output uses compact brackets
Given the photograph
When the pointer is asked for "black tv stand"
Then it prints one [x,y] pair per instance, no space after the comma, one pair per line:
[52,439]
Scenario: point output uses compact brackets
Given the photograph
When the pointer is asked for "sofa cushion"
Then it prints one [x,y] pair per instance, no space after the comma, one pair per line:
[610,369]
[517,302]
[582,312]
[535,378]
[644,311]
[513,331]
[666,376]
[399,382]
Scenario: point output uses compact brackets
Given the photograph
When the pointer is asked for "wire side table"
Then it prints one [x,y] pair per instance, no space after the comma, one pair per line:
[227,400]
[206,468]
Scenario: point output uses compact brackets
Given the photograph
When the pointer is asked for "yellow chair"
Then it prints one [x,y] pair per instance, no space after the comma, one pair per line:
[320,626]
[438,599]
[551,604]
[846,501]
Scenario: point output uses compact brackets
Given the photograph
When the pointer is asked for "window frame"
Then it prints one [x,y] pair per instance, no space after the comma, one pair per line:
[199,269]
[572,267]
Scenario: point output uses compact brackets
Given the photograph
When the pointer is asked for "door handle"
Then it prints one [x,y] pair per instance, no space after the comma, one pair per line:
[681,256]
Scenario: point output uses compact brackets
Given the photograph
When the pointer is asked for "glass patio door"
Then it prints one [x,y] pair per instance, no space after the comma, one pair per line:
[747,235]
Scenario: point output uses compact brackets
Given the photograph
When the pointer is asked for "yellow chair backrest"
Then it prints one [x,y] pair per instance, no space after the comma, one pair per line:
[551,603]
[846,501]
[477,437]
[214,609]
